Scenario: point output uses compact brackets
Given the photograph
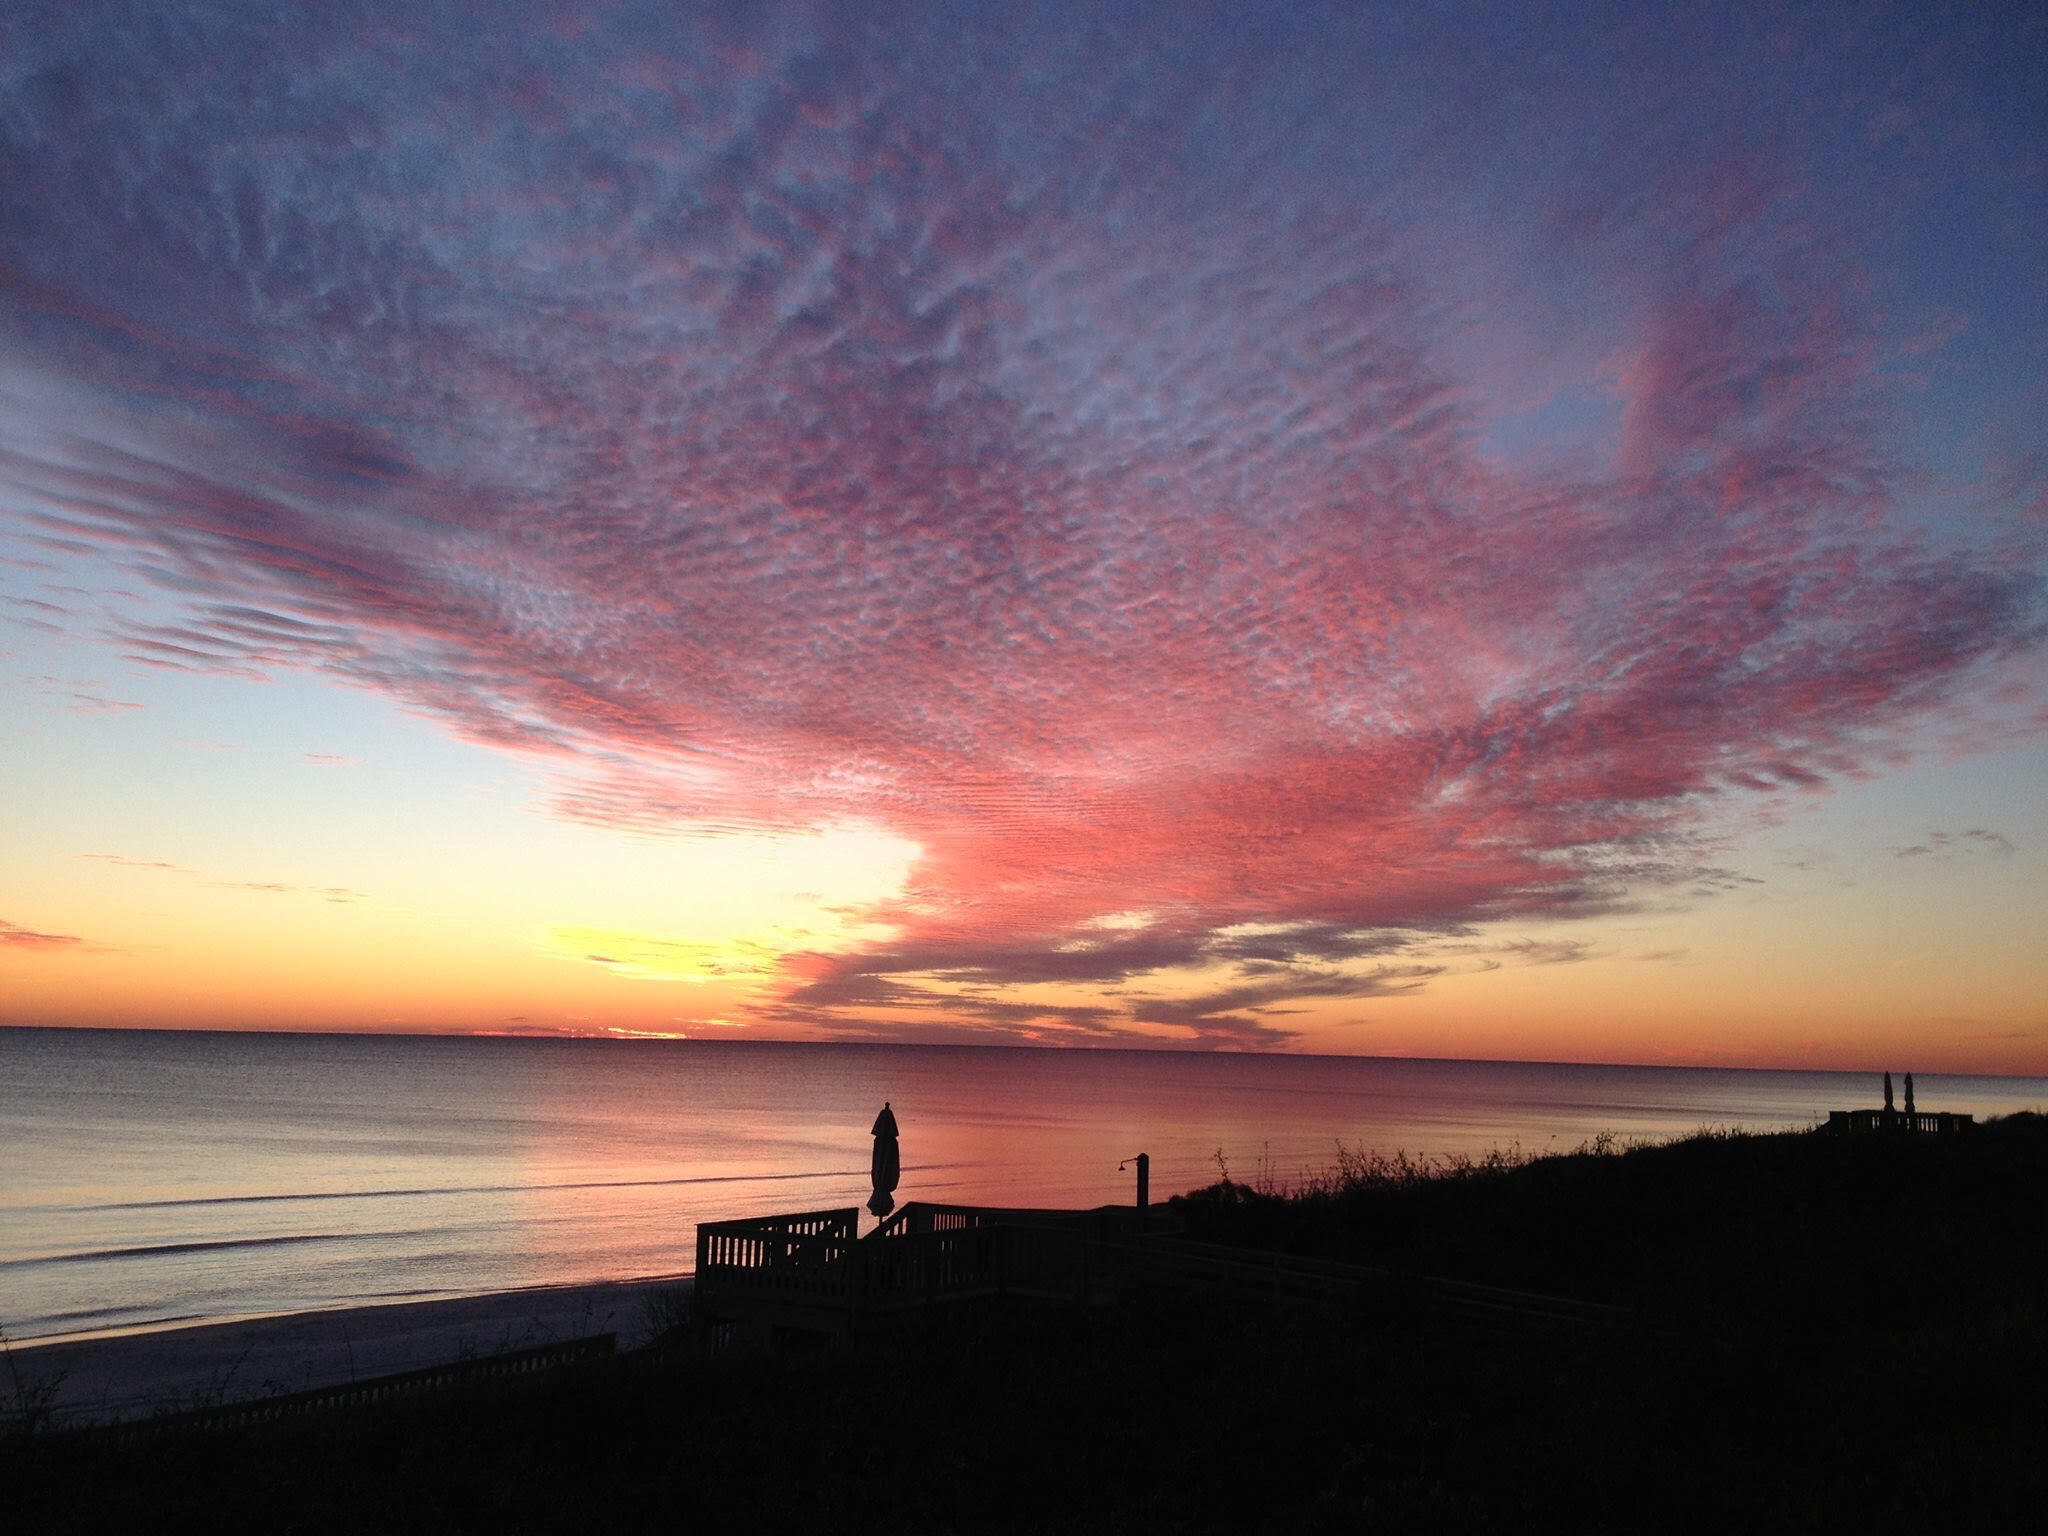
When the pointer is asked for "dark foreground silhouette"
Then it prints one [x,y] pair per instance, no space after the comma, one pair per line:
[1853,1332]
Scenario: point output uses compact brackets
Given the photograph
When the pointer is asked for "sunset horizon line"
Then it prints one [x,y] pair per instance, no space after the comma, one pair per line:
[1874,1069]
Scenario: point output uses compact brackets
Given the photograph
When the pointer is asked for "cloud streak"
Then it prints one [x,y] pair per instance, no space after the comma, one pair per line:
[1951,845]
[1087,471]
[333,893]
[14,936]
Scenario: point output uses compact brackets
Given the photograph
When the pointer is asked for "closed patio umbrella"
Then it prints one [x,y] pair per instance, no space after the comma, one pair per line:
[887,1166]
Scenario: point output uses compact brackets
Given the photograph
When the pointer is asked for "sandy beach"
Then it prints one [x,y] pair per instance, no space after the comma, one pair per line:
[121,1376]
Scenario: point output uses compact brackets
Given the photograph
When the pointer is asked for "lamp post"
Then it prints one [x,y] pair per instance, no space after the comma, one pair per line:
[1144,1163]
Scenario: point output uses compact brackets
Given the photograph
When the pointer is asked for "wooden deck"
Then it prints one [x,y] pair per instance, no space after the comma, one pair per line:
[811,1273]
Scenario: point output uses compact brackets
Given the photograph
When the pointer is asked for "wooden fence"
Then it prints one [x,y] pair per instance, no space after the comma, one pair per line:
[381,1389]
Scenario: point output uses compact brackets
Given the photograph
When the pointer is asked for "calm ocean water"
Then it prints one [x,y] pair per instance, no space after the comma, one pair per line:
[152,1177]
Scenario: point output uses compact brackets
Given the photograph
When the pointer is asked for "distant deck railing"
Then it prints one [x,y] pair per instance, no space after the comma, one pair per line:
[1860,1121]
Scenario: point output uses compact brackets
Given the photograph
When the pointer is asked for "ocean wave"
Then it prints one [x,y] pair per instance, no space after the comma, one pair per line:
[428,1191]
[110,1317]
[208,1245]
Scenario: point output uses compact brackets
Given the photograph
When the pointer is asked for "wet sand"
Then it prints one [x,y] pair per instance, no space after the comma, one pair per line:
[126,1376]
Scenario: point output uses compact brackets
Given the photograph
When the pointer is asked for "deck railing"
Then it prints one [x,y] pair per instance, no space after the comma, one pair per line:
[962,1259]
[923,1216]
[798,1259]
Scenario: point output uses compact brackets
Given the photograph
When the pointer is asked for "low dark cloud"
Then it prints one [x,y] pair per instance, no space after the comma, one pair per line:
[864,1005]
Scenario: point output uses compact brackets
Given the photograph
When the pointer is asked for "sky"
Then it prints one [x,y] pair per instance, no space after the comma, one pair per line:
[1468,531]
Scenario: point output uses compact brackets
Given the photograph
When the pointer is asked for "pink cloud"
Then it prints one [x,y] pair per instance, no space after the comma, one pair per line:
[14,936]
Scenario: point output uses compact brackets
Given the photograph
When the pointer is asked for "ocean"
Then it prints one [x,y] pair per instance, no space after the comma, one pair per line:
[158,1177]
